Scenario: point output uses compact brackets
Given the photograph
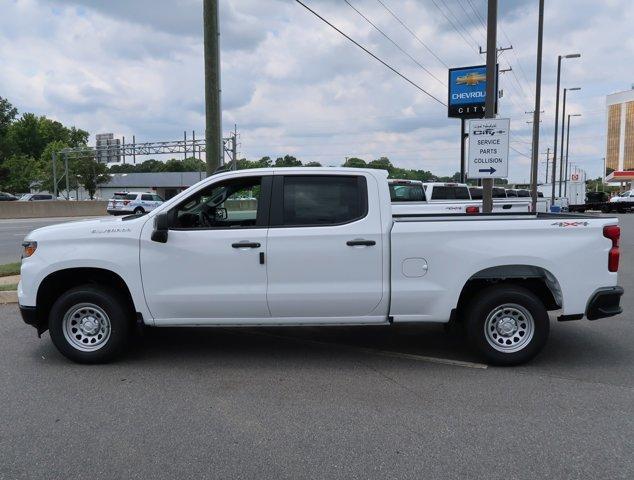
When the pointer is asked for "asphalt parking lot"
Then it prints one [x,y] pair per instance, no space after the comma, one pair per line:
[323,403]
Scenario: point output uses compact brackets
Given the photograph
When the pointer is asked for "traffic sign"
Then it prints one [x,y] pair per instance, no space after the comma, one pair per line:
[489,148]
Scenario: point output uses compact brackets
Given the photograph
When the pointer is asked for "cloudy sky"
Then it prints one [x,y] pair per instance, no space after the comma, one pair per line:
[293,85]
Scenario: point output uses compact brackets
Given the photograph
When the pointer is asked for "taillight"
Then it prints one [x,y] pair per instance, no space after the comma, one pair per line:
[473,209]
[613,232]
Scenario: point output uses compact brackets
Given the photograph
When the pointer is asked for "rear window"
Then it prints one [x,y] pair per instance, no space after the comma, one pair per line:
[124,196]
[499,193]
[323,200]
[476,193]
[512,193]
[523,193]
[407,192]
[450,192]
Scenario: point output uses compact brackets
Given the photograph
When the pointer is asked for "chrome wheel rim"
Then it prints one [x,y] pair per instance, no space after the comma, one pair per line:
[86,327]
[509,328]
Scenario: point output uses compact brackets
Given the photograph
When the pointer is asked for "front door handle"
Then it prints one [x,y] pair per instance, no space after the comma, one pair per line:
[359,242]
[246,245]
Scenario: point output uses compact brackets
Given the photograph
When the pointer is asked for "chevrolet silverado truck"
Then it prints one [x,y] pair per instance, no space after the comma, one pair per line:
[408,196]
[315,246]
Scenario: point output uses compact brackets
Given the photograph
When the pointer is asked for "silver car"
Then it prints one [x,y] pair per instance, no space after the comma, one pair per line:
[123,203]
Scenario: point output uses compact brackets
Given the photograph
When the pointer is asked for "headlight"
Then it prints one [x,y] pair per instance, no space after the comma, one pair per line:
[28,248]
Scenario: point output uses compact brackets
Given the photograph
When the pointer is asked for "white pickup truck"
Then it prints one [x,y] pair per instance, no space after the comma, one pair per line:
[408,196]
[315,246]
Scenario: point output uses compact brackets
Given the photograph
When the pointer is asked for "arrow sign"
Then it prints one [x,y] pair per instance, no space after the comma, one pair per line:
[488,148]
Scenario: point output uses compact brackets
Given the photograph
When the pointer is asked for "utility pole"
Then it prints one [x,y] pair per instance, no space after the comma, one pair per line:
[54,161]
[547,163]
[234,147]
[489,106]
[213,113]
[536,111]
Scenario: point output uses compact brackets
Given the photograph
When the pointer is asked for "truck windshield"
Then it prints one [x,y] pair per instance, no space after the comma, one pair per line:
[407,192]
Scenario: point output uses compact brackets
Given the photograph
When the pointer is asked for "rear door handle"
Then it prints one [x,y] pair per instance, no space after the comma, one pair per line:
[360,242]
[246,245]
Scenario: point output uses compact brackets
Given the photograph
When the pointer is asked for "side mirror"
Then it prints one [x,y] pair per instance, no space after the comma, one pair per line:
[161,227]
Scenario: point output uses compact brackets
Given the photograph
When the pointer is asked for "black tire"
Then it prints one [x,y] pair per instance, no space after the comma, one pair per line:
[513,307]
[138,211]
[96,302]
[606,209]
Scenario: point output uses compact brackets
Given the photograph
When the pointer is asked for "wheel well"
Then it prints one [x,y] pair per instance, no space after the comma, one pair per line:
[536,279]
[61,281]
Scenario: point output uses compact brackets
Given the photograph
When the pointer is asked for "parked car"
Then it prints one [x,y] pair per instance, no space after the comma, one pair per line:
[36,197]
[408,197]
[7,197]
[321,247]
[123,203]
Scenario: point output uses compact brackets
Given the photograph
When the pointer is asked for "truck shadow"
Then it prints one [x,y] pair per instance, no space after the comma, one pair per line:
[192,343]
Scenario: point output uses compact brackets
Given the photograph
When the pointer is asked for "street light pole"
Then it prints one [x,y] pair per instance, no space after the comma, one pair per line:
[567,145]
[563,120]
[554,176]
[489,105]
[536,112]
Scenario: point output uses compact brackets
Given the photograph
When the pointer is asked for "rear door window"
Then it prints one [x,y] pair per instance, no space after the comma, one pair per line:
[147,197]
[320,200]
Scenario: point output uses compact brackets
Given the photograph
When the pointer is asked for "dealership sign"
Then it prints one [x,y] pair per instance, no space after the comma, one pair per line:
[467,92]
[489,148]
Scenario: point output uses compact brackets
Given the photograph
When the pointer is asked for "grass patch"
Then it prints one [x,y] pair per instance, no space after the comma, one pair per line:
[8,288]
[10,269]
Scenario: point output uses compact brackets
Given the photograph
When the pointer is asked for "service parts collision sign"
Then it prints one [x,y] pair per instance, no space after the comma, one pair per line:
[489,148]
[467,92]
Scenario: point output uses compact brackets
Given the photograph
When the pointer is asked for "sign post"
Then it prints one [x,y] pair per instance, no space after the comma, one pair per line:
[489,148]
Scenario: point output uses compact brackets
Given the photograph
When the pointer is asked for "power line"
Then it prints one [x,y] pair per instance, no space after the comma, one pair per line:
[394,43]
[370,53]
[457,19]
[518,152]
[453,25]
[412,33]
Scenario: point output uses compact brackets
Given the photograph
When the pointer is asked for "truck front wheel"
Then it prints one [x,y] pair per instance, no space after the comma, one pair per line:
[507,324]
[90,324]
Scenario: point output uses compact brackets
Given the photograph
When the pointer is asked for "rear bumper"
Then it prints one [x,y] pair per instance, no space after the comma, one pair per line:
[605,302]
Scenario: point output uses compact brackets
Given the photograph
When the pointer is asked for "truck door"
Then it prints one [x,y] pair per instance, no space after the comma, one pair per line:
[325,251]
[211,269]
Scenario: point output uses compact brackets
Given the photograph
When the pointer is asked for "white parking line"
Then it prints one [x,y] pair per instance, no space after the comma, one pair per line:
[373,351]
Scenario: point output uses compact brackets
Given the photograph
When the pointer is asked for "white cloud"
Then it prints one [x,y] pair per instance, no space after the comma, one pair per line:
[295,86]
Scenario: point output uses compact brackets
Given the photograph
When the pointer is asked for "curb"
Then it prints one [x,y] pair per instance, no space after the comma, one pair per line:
[10,296]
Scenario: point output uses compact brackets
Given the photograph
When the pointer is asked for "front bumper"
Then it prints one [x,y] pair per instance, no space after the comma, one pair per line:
[605,302]
[31,317]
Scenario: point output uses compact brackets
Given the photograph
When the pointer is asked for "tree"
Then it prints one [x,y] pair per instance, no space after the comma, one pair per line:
[382,163]
[18,172]
[192,164]
[354,162]
[90,173]
[7,114]
[287,161]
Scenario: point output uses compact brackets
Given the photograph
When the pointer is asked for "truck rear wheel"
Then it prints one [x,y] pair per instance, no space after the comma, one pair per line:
[507,324]
[90,324]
